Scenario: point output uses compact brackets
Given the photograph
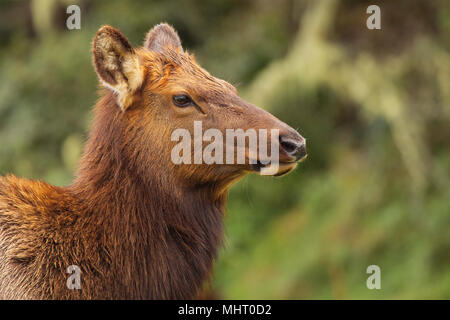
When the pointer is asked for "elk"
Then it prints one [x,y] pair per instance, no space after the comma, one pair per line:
[137,225]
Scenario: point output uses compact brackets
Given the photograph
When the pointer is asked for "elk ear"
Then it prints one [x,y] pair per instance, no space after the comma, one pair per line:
[117,64]
[161,37]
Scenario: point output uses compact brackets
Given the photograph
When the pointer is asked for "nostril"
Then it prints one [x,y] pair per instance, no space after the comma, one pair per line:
[289,146]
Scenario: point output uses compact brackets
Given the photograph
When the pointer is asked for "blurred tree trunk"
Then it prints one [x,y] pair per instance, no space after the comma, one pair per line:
[42,12]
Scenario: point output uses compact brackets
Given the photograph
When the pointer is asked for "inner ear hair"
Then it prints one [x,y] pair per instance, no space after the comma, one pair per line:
[117,64]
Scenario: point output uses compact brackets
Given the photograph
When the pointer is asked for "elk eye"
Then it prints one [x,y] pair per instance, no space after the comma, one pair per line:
[182,100]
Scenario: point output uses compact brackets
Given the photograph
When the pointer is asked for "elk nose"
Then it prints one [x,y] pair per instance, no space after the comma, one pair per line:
[294,148]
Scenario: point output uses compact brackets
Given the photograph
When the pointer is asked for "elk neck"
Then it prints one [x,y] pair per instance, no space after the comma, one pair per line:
[151,227]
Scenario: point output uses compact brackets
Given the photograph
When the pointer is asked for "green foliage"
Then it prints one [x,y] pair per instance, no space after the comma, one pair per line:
[373,105]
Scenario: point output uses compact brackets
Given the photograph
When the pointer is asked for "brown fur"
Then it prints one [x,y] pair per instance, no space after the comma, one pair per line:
[139,226]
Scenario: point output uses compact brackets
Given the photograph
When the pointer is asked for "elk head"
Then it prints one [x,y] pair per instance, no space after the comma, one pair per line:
[159,89]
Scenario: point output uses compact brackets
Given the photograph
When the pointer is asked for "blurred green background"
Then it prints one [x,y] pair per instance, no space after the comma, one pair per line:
[373,104]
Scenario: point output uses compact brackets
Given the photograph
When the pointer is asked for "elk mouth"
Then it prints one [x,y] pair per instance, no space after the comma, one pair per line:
[284,167]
